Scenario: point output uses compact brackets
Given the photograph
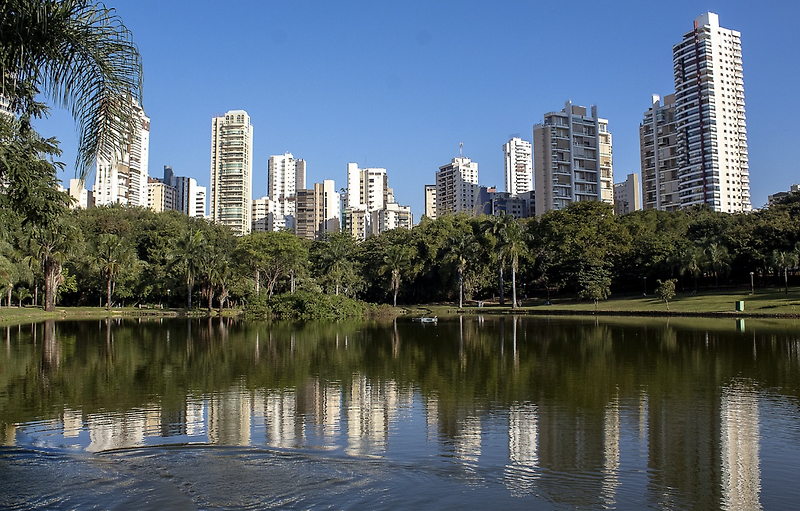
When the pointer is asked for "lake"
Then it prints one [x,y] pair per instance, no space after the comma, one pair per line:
[475,412]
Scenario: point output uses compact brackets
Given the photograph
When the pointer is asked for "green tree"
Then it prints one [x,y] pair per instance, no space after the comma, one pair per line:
[783,260]
[396,261]
[718,260]
[112,256]
[665,290]
[81,56]
[186,253]
[512,246]
[336,258]
[49,248]
[460,250]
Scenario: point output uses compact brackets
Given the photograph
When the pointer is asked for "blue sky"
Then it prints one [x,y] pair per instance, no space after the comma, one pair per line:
[400,84]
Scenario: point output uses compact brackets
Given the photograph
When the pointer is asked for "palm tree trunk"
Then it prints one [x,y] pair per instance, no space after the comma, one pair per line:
[513,287]
[258,282]
[51,271]
[500,282]
[460,288]
[786,278]
[108,294]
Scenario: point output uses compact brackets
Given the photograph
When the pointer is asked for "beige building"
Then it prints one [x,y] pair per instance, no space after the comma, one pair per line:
[160,196]
[318,211]
[572,159]
[626,195]
[430,201]
[658,147]
[231,171]
[260,214]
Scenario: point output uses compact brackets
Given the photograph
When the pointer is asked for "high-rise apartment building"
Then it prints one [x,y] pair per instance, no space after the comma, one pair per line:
[518,163]
[701,131]
[572,159]
[122,172]
[457,187]
[709,106]
[160,195]
[318,211]
[231,171]
[286,176]
[430,201]
[658,147]
[260,214]
[368,187]
[626,195]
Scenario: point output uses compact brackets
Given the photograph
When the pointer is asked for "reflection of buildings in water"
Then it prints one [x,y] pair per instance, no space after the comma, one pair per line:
[229,417]
[369,412]
[73,423]
[195,416]
[523,451]
[611,430]
[741,474]
[8,434]
[122,430]
[283,426]
[432,418]
[322,404]
[467,444]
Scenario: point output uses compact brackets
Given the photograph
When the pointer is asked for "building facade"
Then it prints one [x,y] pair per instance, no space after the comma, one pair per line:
[709,110]
[231,171]
[457,187]
[160,196]
[122,173]
[658,148]
[626,195]
[518,164]
[430,201]
[572,159]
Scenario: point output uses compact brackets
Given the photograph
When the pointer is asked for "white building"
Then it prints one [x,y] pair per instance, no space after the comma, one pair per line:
[286,176]
[160,195]
[231,171]
[518,164]
[369,187]
[83,197]
[260,214]
[457,187]
[121,175]
[709,109]
[572,159]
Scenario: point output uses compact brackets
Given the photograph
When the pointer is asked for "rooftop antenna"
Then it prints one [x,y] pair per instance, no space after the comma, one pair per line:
[461,149]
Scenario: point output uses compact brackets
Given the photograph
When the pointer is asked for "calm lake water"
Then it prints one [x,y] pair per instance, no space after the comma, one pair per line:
[471,413]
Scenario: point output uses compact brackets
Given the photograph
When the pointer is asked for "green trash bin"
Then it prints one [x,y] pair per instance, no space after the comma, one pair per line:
[740,306]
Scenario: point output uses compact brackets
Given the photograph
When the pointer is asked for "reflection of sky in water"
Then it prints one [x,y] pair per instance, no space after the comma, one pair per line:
[728,447]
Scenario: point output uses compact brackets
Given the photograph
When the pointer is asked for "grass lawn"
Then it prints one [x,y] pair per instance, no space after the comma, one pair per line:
[763,302]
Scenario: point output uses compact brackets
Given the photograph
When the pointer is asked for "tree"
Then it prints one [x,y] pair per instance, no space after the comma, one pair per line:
[395,261]
[336,260]
[595,284]
[186,253]
[512,246]
[492,229]
[783,260]
[49,248]
[81,56]
[718,260]
[112,256]
[666,290]
[460,249]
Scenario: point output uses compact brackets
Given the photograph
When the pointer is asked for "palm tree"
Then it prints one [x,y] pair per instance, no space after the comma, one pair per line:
[82,57]
[186,252]
[494,225]
[111,256]
[49,248]
[783,260]
[337,258]
[461,249]
[718,260]
[395,259]
[512,246]
[691,260]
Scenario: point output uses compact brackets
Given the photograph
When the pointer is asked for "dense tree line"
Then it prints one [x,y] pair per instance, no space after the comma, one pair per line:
[132,256]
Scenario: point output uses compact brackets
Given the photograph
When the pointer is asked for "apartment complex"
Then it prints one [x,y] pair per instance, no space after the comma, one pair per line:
[430,201]
[706,160]
[369,205]
[190,198]
[518,165]
[457,187]
[572,159]
[626,195]
[287,175]
[122,172]
[231,171]
[160,196]
[318,211]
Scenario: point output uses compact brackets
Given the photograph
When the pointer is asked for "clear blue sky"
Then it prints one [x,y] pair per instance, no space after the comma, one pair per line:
[399,84]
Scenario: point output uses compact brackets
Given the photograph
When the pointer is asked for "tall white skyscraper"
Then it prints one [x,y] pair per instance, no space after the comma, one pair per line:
[231,171]
[709,110]
[572,159]
[367,187]
[121,176]
[457,187]
[518,163]
[286,176]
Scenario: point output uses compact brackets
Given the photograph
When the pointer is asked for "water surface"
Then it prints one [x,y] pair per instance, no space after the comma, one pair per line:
[471,413]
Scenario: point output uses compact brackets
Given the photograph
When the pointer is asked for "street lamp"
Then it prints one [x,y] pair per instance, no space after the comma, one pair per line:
[752,289]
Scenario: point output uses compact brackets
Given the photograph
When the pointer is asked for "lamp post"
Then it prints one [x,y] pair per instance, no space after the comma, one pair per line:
[752,289]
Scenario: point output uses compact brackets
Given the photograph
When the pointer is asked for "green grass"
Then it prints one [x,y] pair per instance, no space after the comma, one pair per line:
[763,302]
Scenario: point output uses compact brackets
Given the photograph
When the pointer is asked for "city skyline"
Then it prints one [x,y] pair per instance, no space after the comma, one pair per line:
[404,99]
